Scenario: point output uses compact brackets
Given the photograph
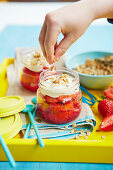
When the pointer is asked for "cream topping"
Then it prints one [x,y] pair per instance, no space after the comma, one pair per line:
[34,60]
[57,85]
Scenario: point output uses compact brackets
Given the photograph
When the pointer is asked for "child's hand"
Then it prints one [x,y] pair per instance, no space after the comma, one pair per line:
[72,21]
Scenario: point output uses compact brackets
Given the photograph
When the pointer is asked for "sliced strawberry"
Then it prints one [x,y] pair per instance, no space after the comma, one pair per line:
[105,107]
[26,70]
[67,106]
[59,113]
[45,68]
[53,115]
[30,79]
[67,98]
[107,123]
[29,87]
[109,92]
[49,99]
[60,107]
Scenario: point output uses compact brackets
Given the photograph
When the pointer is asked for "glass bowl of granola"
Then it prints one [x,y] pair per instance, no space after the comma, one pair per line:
[95,68]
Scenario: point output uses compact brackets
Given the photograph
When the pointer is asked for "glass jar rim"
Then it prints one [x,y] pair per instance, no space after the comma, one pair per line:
[63,69]
[26,51]
[33,63]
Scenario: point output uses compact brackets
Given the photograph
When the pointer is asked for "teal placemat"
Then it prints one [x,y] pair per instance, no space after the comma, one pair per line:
[95,38]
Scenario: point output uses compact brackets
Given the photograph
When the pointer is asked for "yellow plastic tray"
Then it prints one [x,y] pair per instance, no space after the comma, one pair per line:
[93,150]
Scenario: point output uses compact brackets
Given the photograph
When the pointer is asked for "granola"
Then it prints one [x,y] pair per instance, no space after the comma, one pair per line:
[100,66]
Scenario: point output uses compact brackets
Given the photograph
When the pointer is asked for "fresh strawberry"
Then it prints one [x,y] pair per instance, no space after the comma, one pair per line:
[107,123]
[56,116]
[45,68]
[67,98]
[49,99]
[26,70]
[63,107]
[30,87]
[62,99]
[105,107]
[30,79]
[109,92]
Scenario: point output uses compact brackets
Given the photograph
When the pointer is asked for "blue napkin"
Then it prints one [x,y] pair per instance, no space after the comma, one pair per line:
[84,123]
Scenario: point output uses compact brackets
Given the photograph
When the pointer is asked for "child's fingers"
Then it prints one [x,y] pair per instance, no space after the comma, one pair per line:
[51,36]
[65,43]
[42,38]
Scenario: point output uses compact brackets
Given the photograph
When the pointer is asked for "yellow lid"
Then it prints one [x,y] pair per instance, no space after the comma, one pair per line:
[10,126]
[10,105]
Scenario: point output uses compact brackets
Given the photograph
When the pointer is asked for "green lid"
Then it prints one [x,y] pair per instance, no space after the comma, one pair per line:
[11,105]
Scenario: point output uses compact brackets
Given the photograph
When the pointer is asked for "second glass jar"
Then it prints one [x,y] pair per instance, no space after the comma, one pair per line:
[32,64]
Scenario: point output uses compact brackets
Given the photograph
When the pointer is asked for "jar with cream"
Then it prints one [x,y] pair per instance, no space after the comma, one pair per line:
[59,96]
[33,63]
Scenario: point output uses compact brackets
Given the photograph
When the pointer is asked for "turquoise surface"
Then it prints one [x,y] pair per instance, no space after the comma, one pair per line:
[96,38]
[55,166]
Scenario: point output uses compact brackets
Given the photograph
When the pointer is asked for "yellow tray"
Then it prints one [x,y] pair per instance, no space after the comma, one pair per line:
[93,150]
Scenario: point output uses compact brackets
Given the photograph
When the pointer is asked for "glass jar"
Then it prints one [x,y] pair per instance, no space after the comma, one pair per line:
[32,64]
[59,96]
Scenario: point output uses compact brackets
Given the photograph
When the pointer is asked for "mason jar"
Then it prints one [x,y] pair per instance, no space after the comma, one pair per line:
[32,64]
[59,96]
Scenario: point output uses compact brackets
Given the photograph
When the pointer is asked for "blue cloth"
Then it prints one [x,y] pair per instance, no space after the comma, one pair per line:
[81,123]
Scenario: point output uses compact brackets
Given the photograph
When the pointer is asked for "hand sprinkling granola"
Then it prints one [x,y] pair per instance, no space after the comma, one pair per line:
[53,67]
[72,21]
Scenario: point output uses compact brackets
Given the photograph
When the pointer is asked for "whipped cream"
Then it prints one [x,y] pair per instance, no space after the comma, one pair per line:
[34,60]
[57,85]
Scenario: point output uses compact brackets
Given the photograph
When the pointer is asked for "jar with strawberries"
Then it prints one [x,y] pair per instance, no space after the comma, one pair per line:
[59,96]
[33,63]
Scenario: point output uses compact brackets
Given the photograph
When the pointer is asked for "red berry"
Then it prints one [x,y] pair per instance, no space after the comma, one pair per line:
[29,72]
[107,123]
[109,92]
[49,99]
[45,68]
[67,98]
[30,79]
[105,107]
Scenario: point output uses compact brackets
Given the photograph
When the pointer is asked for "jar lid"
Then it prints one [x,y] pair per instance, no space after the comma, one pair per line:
[10,126]
[11,105]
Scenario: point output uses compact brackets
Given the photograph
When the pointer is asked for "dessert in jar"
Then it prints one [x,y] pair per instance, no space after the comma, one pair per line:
[59,96]
[33,63]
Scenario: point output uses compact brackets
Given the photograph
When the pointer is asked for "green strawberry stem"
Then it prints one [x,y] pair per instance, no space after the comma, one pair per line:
[104,97]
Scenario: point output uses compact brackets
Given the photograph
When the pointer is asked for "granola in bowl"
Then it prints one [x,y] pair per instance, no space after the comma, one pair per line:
[99,66]
[95,68]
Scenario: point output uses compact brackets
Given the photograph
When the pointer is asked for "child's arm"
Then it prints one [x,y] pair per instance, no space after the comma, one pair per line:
[72,21]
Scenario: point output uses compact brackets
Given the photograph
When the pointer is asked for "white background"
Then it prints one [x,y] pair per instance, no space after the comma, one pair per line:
[29,13]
